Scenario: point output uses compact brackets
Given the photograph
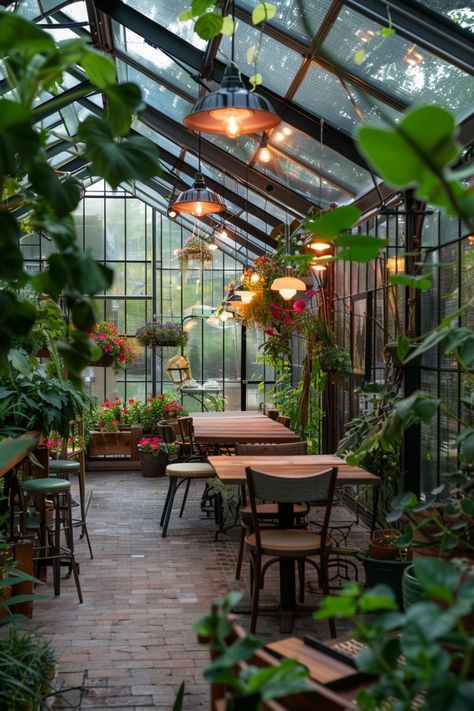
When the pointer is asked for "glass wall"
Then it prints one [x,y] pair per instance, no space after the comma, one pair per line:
[139,243]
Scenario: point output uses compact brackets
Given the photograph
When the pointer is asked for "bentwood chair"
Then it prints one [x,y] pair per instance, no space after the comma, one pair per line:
[191,467]
[267,512]
[295,544]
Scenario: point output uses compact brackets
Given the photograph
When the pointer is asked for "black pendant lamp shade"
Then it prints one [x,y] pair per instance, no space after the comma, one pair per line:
[232,110]
[199,200]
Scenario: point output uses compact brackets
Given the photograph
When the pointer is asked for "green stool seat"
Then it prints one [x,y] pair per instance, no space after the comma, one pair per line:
[46,486]
[64,465]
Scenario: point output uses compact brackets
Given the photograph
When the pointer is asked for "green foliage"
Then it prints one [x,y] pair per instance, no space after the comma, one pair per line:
[35,63]
[26,669]
[334,359]
[431,635]
[253,684]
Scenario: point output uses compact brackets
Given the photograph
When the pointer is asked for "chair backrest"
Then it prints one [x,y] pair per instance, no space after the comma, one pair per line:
[284,420]
[185,425]
[315,488]
[271,450]
[272,414]
[166,431]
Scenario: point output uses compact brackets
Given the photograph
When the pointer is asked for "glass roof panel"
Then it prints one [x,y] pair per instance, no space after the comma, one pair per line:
[322,93]
[277,64]
[153,59]
[410,72]
[28,9]
[456,10]
[332,163]
[242,147]
[155,94]
[166,14]
[157,138]
[289,19]
[77,11]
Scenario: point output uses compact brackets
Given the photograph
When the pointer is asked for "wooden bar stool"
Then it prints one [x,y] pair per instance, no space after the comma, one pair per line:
[50,550]
[179,474]
[64,468]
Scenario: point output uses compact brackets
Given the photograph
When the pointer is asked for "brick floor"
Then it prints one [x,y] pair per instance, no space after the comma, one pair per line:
[131,643]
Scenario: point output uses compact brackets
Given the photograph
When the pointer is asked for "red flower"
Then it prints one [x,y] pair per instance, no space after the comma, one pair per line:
[271,332]
[299,306]
[310,293]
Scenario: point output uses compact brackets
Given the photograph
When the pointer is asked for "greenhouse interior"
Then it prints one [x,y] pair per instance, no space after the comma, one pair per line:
[236,324]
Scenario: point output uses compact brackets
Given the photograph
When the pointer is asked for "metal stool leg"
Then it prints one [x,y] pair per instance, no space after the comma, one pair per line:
[172,493]
[165,506]
[184,498]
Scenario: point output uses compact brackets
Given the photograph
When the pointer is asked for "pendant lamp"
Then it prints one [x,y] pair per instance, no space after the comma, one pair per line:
[242,291]
[232,110]
[198,200]
[288,285]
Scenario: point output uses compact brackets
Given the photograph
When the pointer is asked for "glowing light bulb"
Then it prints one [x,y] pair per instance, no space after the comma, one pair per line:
[287,294]
[318,267]
[231,126]
[278,136]
[255,278]
[172,214]
[319,246]
[286,130]
[265,155]
[246,296]
[222,234]
[198,209]
[212,247]
[225,316]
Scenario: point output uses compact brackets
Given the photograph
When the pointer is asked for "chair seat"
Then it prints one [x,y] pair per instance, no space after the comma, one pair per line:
[271,510]
[48,485]
[190,470]
[64,465]
[290,542]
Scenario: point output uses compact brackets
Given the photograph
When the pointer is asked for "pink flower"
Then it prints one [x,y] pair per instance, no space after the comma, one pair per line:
[299,306]
[154,445]
[131,402]
[145,440]
[50,442]
[114,422]
[101,336]
[271,332]
[310,293]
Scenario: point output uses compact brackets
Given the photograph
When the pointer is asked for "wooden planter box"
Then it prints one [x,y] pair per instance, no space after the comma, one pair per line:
[114,451]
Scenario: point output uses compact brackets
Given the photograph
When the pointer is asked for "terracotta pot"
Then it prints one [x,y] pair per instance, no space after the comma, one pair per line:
[153,465]
[381,545]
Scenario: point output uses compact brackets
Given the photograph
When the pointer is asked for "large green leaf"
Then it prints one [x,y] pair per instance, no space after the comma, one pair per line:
[421,282]
[124,100]
[333,222]
[118,160]
[16,136]
[263,12]
[62,195]
[11,259]
[20,35]
[99,68]
[359,248]
[200,6]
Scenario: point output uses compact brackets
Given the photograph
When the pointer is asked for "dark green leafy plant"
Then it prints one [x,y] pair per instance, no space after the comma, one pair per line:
[35,63]
[249,685]
[432,636]
[27,666]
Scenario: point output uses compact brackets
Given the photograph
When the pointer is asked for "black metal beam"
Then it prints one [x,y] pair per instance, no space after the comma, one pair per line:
[170,43]
[421,25]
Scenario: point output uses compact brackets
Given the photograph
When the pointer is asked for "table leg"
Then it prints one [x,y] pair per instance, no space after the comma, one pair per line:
[287,574]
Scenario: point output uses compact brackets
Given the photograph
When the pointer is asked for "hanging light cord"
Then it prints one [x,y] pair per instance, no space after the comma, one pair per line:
[232,44]
[321,139]
[199,151]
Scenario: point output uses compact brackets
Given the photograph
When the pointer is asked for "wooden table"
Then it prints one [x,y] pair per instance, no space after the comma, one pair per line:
[231,470]
[234,427]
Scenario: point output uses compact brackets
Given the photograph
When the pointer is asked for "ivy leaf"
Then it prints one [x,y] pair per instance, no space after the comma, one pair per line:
[256,79]
[124,100]
[209,25]
[200,6]
[359,248]
[333,222]
[99,68]
[228,26]
[263,12]
[423,283]
[386,32]
[252,55]
[359,56]
[185,15]
[118,160]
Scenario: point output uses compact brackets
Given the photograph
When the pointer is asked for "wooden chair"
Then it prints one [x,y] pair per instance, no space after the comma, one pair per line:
[268,513]
[190,467]
[296,544]
[284,420]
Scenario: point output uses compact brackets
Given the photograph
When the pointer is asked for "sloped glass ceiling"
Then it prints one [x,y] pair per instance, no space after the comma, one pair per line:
[309,149]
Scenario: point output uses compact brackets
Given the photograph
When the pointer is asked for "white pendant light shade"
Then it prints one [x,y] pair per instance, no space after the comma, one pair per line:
[245,295]
[288,286]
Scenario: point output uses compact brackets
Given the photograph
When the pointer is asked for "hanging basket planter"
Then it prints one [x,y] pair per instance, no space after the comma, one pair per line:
[115,350]
[194,249]
[161,335]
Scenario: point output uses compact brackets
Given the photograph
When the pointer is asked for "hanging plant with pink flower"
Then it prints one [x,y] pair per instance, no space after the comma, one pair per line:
[114,347]
[195,247]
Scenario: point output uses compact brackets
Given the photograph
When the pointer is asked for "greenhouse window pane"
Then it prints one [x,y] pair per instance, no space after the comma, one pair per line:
[289,19]
[153,59]
[154,94]
[323,94]
[458,11]
[166,14]
[406,70]
[277,64]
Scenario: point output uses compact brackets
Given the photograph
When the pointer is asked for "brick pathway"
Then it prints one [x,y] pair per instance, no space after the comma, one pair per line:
[131,643]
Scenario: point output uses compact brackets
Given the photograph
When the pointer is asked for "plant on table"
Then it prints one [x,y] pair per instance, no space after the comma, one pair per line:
[432,637]
[105,335]
[162,335]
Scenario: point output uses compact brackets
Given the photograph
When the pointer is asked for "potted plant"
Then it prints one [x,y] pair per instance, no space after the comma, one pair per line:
[114,429]
[155,455]
[382,545]
[161,407]
[162,335]
[334,359]
[115,351]
[195,248]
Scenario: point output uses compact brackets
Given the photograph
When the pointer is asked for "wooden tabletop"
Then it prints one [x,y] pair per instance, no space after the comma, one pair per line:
[231,470]
[13,451]
[231,428]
